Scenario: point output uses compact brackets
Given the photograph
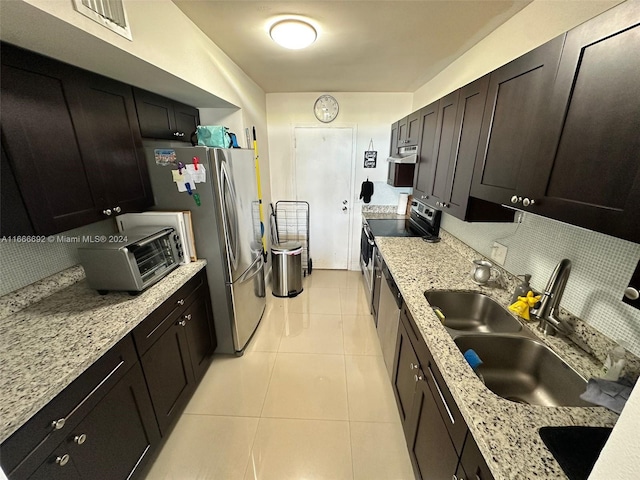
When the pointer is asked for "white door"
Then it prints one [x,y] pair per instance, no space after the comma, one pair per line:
[323,163]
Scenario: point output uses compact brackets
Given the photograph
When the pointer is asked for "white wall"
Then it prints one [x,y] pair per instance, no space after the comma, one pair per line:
[371,114]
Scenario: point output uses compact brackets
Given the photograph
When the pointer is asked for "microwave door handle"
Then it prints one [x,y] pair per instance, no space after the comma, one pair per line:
[153,237]
[228,211]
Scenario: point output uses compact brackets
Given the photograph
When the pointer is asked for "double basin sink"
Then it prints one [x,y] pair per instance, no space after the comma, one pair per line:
[516,365]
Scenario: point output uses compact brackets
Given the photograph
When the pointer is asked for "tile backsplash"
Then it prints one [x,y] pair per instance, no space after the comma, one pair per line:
[25,263]
[601,267]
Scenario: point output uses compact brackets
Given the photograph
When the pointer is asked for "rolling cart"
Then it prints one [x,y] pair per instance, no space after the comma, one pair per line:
[292,225]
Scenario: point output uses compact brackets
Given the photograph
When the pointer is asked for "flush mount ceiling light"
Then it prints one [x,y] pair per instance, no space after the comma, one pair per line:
[293,34]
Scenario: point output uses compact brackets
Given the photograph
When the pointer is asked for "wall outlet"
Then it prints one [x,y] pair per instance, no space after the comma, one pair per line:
[499,253]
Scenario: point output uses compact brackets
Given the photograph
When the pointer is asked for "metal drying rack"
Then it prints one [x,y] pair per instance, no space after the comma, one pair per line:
[292,225]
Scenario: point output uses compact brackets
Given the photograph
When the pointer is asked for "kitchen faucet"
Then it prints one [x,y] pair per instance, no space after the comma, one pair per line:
[550,323]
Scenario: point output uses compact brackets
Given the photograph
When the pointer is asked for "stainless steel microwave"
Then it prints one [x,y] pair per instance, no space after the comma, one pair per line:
[136,259]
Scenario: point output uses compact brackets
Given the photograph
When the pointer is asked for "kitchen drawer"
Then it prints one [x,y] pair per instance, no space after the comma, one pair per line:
[162,317]
[30,446]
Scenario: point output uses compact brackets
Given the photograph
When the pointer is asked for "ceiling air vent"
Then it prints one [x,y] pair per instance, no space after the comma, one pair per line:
[109,13]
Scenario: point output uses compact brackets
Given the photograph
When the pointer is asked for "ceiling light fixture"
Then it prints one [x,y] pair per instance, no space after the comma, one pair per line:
[293,34]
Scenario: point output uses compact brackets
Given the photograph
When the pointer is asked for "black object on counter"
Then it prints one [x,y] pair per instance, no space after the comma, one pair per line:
[575,448]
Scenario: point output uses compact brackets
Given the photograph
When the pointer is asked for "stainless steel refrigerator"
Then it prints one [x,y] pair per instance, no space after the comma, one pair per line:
[226,226]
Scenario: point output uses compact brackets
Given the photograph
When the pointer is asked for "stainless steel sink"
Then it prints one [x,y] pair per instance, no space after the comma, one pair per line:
[472,312]
[525,370]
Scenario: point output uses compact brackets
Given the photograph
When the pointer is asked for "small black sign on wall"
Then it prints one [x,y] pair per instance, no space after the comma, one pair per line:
[370,159]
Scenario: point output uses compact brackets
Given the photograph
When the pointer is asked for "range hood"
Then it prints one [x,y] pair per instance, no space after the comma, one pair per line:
[405,155]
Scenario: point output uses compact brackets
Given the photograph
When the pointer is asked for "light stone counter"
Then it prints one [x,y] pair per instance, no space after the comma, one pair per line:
[47,345]
[506,432]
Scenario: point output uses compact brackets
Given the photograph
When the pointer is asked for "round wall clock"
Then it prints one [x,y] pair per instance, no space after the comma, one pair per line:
[326,108]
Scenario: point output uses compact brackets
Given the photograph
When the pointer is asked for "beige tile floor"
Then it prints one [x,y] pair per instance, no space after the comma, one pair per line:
[310,399]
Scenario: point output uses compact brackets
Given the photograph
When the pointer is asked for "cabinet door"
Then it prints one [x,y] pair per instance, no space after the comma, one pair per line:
[167,368]
[429,444]
[425,168]
[200,334]
[187,119]
[117,437]
[110,141]
[404,377]
[14,218]
[403,131]
[155,114]
[39,137]
[516,93]
[443,147]
[413,129]
[588,169]
[393,149]
[472,464]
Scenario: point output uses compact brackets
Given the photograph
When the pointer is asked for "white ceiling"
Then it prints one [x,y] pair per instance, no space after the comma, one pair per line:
[363,46]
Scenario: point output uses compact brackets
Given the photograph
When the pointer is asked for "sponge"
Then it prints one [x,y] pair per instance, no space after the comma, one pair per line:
[472,357]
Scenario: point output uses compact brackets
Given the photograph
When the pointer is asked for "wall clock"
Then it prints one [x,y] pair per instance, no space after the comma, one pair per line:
[326,108]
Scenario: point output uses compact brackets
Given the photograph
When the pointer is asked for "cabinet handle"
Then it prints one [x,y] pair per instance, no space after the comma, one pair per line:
[418,378]
[117,209]
[433,378]
[180,302]
[63,460]
[58,424]
[187,317]
[344,209]
[107,211]
[526,202]
[80,439]
[414,366]
[176,134]
[515,199]
[182,323]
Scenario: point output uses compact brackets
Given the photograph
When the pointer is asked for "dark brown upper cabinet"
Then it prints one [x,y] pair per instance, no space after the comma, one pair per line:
[516,94]
[163,118]
[450,132]
[72,141]
[425,168]
[587,164]
[393,149]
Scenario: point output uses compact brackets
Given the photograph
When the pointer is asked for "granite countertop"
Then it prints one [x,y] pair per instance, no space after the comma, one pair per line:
[48,344]
[506,432]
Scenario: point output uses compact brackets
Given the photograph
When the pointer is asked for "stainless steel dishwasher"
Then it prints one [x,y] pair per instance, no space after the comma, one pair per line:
[388,317]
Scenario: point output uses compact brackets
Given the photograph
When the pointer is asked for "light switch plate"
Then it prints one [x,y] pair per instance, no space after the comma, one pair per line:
[498,253]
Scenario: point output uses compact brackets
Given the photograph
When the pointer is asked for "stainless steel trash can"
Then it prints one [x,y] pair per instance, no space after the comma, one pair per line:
[286,265]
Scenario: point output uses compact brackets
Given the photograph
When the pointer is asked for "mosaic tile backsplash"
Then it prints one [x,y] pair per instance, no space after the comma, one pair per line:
[601,267]
[24,263]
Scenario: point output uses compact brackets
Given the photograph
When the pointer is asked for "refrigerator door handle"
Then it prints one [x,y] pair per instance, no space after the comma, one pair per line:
[229,200]
[252,271]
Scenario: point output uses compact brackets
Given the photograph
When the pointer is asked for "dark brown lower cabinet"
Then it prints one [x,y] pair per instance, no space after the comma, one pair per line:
[440,444]
[431,449]
[167,368]
[119,433]
[181,347]
[472,465]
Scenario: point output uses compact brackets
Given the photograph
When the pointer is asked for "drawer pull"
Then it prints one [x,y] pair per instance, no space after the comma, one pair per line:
[80,439]
[182,323]
[63,460]
[187,317]
[180,302]
[58,424]
[441,395]
[414,366]
[418,378]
